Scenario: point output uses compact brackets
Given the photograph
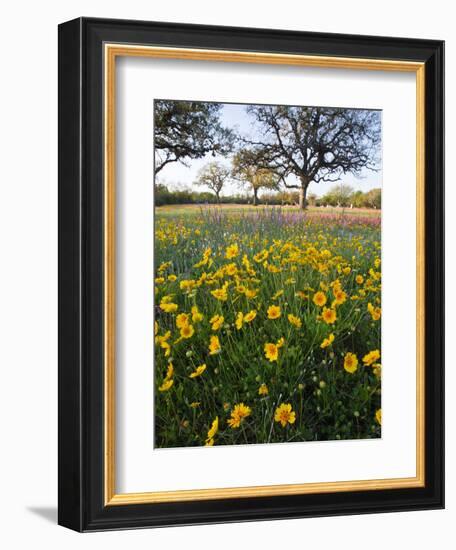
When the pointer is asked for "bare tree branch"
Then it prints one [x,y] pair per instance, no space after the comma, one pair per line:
[315,143]
[188,130]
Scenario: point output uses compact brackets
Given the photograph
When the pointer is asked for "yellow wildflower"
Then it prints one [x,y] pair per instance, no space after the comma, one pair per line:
[182,320]
[327,341]
[169,371]
[220,293]
[187,285]
[350,362]
[164,266]
[340,297]
[206,258]
[285,415]
[238,414]
[261,256]
[231,269]
[199,371]
[162,342]
[274,312]
[168,307]
[239,320]
[250,293]
[214,345]
[187,331]
[196,315]
[271,351]
[216,322]
[376,312]
[319,298]
[273,269]
[296,321]
[371,357]
[166,385]
[329,315]
[214,428]
[232,251]
[212,432]
[164,345]
[378,416]
[250,316]
[263,389]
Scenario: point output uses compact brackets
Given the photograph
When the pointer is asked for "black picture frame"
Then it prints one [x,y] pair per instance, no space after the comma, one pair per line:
[81,400]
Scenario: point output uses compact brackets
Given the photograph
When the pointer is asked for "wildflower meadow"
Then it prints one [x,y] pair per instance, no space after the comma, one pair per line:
[267,325]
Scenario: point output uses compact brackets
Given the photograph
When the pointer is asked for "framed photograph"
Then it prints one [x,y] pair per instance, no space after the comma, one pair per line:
[250,274]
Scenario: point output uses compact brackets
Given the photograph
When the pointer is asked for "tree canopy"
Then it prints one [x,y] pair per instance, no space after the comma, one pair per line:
[213,175]
[318,144]
[374,198]
[339,195]
[188,130]
[247,171]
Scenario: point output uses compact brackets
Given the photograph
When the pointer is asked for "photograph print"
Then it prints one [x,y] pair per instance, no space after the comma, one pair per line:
[267,291]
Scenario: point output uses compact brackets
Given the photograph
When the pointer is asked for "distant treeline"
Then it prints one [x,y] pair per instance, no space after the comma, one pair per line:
[339,195]
[164,196]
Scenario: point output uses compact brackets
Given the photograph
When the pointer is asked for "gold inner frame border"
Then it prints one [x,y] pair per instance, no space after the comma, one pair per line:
[111,52]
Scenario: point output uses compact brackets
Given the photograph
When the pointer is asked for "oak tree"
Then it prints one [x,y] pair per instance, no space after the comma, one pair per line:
[188,130]
[315,144]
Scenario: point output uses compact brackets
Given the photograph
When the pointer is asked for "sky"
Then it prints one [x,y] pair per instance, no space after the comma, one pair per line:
[176,176]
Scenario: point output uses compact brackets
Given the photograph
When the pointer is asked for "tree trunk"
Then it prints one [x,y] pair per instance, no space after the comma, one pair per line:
[217,198]
[255,196]
[303,192]
[302,198]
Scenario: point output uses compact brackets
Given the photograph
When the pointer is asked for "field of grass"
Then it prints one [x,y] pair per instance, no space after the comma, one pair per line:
[267,325]
[194,209]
